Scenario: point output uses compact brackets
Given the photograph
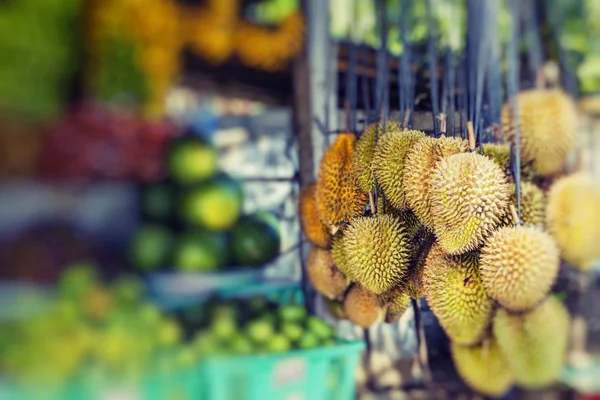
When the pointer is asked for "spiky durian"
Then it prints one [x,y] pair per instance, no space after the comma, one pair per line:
[483,367]
[422,245]
[338,253]
[500,154]
[396,302]
[518,266]
[534,343]
[363,154]
[337,195]
[362,307]
[469,195]
[573,218]
[324,275]
[315,230]
[419,165]
[547,126]
[376,252]
[533,206]
[389,160]
[455,293]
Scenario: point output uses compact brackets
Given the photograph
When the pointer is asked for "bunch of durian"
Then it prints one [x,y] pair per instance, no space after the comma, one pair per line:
[401,215]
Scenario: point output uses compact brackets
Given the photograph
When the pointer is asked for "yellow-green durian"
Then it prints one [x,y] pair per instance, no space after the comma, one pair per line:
[419,166]
[363,153]
[533,206]
[534,343]
[518,266]
[396,302]
[469,195]
[455,293]
[548,123]
[388,163]
[573,218]
[483,367]
[376,252]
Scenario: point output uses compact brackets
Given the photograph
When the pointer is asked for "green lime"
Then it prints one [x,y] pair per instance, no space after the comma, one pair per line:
[190,160]
[320,328]
[201,251]
[259,331]
[292,313]
[240,344]
[215,205]
[292,331]
[308,341]
[78,280]
[255,240]
[151,247]
[127,290]
[279,343]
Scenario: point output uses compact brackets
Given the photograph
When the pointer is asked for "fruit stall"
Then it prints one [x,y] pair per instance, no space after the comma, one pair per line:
[299,199]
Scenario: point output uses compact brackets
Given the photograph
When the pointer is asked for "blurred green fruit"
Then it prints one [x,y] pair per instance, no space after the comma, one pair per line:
[206,345]
[191,160]
[127,290]
[215,205]
[77,280]
[169,333]
[148,315]
[151,247]
[240,344]
[292,331]
[308,341]
[279,343]
[201,251]
[319,328]
[292,313]
[223,327]
[186,357]
[158,202]
[259,331]
[255,239]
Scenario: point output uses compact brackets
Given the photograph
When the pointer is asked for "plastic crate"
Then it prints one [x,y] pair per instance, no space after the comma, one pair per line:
[325,373]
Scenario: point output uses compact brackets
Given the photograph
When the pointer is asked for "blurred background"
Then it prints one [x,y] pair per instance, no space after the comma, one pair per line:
[152,156]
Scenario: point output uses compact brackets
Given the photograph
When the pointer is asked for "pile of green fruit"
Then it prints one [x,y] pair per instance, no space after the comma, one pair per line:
[39,49]
[194,221]
[95,334]
[100,335]
[255,325]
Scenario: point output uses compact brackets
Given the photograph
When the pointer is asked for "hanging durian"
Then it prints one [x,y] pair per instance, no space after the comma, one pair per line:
[338,197]
[315,230]
[469,195]
[419,166]
[324,275]
[547,122]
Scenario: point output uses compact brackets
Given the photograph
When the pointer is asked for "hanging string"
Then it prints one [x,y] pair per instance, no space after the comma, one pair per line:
[534,43]
[432,55]
[512,89]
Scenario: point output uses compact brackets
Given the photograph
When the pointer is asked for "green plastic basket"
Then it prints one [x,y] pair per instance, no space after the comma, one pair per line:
[325,373]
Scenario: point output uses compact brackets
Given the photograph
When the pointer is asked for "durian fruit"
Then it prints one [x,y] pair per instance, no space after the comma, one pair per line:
[362,307]
[396,302]
[469,195]
[363,154]
[533,206]
[336,308]
[573,218]
[419,166]
[534,343]
[500,154]
[316,232]
[376,252]
[518,266]
[389,163]
[338,196]
[423,244]
[547,126]
[483,367]
[324,275]
[338,253]
[455,293]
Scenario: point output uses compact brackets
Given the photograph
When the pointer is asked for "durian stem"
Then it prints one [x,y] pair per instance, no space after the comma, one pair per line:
[372,203]
[406,118]
[515,215]
[471,133]
[442,118]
